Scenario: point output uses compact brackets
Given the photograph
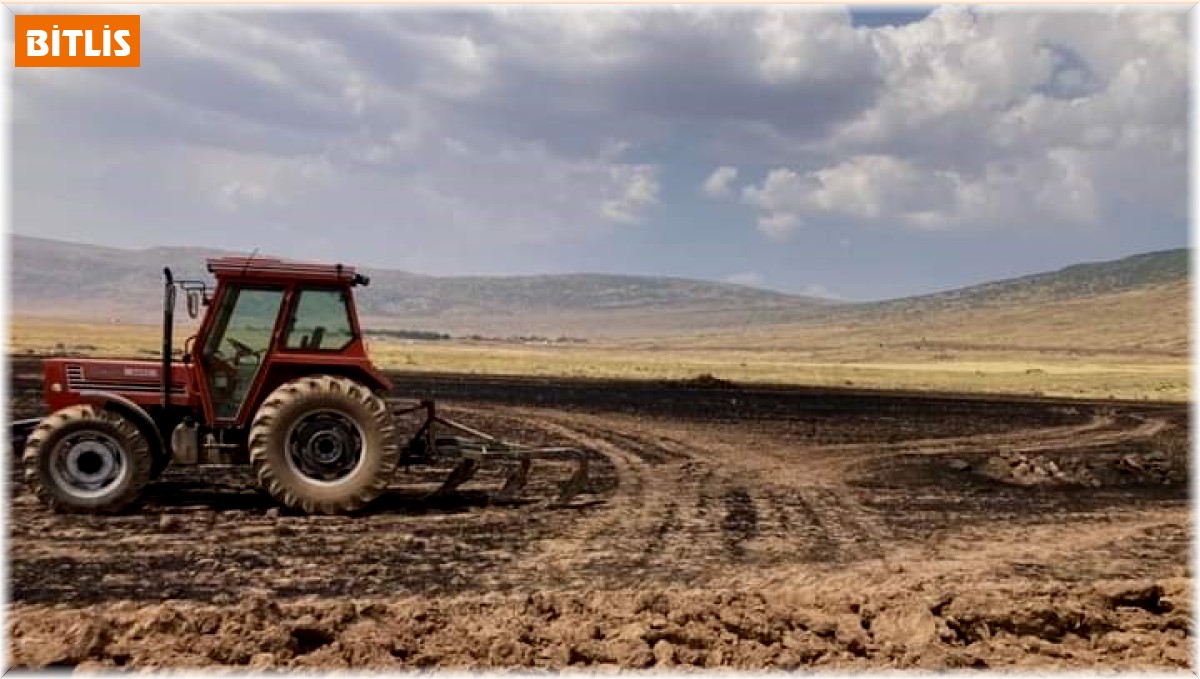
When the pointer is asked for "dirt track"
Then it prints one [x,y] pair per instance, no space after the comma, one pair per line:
[722,528]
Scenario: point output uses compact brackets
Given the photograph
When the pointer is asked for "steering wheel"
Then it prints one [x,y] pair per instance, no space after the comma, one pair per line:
[242,350]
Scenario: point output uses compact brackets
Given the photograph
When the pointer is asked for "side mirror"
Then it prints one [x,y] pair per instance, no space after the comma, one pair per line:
[193,303]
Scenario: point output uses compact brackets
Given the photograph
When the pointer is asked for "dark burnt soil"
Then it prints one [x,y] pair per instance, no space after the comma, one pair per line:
[722,527]
[833,414]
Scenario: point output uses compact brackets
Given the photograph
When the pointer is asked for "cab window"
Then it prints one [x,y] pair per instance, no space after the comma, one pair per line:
[321,322]
[240,339]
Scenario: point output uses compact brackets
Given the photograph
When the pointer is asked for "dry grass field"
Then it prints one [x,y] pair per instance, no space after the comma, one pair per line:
[1131,345]
[1118,328]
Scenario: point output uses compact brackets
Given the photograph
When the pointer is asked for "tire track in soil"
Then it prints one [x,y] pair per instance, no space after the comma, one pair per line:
[583,553]
[686,522]
[693,505]
[660,527]
[834,525]
[740,523]
[1101,430]
[654,534]
[677,511]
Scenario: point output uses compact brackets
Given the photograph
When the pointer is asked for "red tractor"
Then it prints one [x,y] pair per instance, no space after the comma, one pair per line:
[277,376]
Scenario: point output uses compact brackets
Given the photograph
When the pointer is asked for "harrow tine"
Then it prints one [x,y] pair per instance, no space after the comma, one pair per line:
[479,446]
[516,480]
[461,473]
[576,483]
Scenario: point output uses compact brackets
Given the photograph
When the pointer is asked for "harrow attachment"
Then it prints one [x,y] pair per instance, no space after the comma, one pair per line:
[474,448]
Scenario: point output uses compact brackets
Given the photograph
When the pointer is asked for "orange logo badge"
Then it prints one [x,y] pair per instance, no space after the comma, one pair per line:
[89,40]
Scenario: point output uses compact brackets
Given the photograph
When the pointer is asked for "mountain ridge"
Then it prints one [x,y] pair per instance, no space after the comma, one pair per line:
[1075,280]
[51,277]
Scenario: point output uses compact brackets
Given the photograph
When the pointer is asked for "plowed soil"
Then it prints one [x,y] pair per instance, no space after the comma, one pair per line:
[722,528]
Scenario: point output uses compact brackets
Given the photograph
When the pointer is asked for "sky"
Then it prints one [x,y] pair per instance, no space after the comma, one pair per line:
[851,154]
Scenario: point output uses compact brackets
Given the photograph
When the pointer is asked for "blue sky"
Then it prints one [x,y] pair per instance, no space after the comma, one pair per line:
[863,155]
[869,16]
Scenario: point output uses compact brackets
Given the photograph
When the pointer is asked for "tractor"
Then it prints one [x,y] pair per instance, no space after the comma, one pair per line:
[277,376]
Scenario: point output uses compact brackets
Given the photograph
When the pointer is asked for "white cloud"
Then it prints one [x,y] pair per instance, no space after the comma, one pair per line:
[863,187]
[718,183]
[1055,189]
[994,119]
[239,181]
[367,113]
[751,278]
[462,130]
[636,188]
[805,46]
[237,194]
[818,290]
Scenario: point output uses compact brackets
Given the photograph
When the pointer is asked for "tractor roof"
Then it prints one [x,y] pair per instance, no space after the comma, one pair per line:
[268,270]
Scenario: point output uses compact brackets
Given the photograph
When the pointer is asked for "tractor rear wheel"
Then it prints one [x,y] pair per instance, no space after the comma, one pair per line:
[160,465]
[323,445]
[88,460]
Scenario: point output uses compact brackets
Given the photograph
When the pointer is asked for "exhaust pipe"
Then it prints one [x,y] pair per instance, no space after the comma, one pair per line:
[168,328]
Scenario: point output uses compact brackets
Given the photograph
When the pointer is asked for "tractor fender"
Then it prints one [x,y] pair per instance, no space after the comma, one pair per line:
[142,419]
[368,376]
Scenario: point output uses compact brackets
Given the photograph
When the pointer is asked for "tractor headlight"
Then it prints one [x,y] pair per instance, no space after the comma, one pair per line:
[56,387]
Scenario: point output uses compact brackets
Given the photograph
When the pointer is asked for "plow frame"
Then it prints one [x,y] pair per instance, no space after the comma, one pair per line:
[478,447]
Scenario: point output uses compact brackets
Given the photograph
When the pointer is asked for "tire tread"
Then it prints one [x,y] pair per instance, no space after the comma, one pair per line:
[46,434]
[268,418]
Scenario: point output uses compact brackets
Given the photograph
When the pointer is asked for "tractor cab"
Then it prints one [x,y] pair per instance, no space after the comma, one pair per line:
[269,321]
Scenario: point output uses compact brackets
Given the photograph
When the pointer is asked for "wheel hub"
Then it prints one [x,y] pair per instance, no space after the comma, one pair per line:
[325,446]
[88,465]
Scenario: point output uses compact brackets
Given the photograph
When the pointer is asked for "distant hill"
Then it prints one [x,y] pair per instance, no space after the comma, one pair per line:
[1080,280]
[397,293]
[50,277]
[73,280]
[1135,306]
[68,280]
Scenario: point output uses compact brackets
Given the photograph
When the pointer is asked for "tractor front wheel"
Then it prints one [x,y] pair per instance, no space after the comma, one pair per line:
[323,445]
[88,460]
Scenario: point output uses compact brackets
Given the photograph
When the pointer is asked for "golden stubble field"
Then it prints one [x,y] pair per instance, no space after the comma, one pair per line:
[1002,352]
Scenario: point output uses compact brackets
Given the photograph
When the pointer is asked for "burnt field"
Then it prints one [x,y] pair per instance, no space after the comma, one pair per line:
[722,527]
